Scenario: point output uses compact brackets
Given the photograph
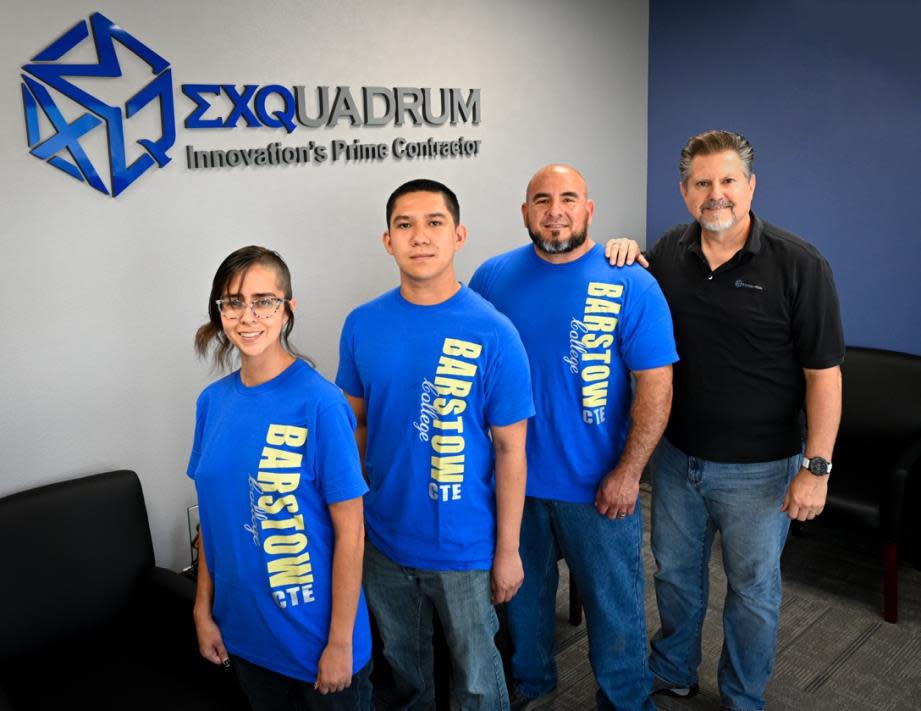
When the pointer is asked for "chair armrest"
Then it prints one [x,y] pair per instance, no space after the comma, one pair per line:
[893,499]
[177,587]
[909,457]
[171,597]
[164,607]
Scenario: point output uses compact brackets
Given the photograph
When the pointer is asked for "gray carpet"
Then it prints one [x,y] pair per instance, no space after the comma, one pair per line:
[834,651]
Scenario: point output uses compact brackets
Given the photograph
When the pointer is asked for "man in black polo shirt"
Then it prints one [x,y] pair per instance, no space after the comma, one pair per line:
[759,334]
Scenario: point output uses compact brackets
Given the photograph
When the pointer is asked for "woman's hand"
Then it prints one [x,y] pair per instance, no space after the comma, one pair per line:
[334,670]
[210,642]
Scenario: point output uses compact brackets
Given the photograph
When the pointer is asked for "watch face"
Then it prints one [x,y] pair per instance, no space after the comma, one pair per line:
[818,466]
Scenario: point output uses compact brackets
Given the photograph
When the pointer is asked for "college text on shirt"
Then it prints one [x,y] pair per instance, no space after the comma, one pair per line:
[283,540]
[441,421]
[590,341]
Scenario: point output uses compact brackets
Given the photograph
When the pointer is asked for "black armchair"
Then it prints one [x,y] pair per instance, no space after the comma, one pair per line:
[86,618]
[877,452]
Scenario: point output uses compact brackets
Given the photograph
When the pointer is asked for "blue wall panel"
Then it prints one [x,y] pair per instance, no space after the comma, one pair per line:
[829,94]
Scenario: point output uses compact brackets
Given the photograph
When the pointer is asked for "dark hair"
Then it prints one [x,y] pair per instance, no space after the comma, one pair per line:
[710,142]
[234,266]
[424,185]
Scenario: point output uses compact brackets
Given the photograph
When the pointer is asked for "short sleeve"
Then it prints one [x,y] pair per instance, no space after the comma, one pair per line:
[478,282]
[647,337]
[347,376]
[818,336]
[200,412]
[655,253]
[509,397]
[337,465]
[663,249]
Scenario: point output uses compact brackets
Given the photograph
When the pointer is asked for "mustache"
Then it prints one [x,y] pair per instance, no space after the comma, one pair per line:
[714,204]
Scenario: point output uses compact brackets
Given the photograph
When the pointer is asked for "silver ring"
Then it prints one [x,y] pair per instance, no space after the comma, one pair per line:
[621,515]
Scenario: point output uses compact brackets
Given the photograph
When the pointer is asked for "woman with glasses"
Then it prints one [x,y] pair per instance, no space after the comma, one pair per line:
[279,489]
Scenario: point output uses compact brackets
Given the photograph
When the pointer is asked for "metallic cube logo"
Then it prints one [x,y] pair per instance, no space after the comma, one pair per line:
[63,148]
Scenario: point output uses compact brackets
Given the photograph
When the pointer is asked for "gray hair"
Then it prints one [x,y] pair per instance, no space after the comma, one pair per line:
[716,142]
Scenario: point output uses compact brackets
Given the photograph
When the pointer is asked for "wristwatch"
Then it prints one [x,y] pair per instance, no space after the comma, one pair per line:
[817,466]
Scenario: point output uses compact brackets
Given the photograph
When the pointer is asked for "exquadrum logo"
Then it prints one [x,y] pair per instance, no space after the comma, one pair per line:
[62,116]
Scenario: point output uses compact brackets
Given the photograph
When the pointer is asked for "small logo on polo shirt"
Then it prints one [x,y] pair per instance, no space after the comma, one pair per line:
[739,284]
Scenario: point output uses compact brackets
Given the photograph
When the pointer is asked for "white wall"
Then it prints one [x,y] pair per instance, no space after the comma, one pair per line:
[100,297]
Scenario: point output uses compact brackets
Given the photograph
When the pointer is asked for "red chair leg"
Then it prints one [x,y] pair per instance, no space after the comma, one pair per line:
[890,582]
[575,603]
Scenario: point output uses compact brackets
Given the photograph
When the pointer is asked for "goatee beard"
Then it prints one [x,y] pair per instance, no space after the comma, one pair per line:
[557,247]
[719,226]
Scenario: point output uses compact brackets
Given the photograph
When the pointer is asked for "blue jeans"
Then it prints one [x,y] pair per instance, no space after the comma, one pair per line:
[403,601]
[267,690]
[605,559]
[691,500]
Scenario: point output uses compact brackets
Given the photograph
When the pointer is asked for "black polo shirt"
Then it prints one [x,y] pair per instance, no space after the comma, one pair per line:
[744,334]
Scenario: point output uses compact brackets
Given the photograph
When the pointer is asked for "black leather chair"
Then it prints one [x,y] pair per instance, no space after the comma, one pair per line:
[877,453]
[87,621]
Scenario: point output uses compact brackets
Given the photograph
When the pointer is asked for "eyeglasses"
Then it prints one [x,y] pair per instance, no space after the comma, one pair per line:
[263,307]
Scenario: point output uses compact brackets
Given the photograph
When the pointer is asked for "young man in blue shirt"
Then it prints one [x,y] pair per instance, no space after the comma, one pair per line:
[440,386]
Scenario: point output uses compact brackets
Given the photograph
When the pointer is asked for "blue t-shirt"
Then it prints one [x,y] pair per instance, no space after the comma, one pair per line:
[585,326]
[267,462]
[434,379]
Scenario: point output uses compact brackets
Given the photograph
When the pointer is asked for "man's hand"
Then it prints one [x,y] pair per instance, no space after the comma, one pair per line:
[616,495]
[623,250]
[210,641]
[805,498]
[511,475]
[507,576]
[334,670]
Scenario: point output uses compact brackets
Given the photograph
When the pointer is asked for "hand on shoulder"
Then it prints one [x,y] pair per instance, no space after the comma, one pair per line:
[624,251]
